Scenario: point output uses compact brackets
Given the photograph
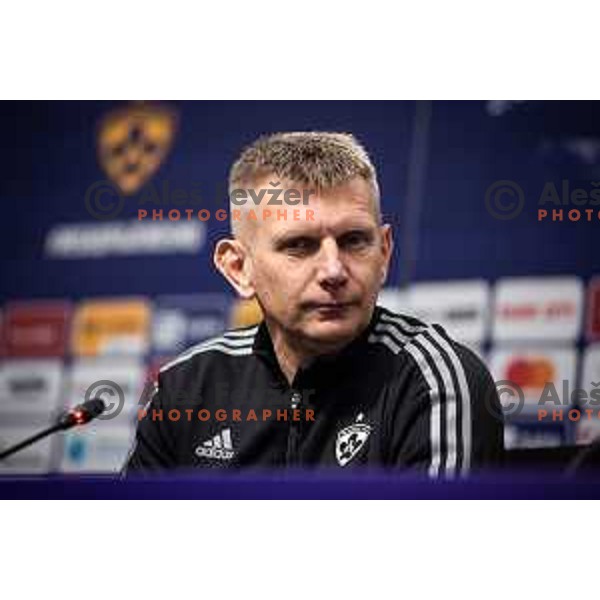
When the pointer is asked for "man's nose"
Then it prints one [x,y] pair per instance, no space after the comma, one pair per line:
[332,272]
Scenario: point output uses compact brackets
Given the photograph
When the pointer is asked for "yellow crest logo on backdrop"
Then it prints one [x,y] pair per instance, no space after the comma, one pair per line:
[133,141]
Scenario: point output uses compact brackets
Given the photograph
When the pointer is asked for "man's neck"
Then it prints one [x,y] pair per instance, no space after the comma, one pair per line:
[293,353]
[288,358]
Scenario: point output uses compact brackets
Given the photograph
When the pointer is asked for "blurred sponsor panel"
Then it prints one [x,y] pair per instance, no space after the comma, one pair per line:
[60,352]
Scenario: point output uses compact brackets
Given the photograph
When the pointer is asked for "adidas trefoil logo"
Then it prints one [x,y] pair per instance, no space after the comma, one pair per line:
[219,447]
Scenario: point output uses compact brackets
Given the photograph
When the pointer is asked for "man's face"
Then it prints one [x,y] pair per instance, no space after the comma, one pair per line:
[318,279]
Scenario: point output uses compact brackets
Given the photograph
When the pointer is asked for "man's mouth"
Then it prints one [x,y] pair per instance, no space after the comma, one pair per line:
[329,307]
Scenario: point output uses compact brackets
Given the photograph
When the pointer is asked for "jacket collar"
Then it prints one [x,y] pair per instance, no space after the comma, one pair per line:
[320,366]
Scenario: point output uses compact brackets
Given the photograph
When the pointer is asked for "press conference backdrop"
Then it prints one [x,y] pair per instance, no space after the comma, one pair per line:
[92,293]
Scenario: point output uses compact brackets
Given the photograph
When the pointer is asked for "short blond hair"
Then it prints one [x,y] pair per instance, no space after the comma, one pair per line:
[317,159]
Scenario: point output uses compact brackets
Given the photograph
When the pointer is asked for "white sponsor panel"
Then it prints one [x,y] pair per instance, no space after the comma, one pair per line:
[461,307]
[169,329]
[395,300]
[523,437]
[201,327]
[538,308]
[175,328]
[35,459]
[534,369]
[30,386]
[96,378]
[97,448]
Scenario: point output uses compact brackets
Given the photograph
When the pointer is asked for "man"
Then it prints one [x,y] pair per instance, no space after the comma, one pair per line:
[328,378]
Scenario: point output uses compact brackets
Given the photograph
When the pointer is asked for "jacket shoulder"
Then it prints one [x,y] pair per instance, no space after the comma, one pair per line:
[397,331]
[231,343]
[405,335]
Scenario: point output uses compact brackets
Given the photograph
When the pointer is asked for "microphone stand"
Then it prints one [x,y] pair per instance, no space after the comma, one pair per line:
[66,421]
[31,440]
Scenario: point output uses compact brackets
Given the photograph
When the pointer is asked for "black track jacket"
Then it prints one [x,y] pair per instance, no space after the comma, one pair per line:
[402,395]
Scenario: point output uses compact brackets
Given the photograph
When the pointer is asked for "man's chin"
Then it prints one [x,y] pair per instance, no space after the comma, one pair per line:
[332,334]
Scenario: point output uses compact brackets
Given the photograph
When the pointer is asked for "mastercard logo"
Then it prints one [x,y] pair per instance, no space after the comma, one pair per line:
[531,372]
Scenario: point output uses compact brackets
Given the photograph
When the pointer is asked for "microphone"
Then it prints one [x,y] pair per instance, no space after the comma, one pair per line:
[81,414]
[78,415]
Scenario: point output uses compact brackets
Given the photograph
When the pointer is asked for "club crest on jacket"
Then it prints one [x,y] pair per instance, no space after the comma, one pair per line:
[351,440]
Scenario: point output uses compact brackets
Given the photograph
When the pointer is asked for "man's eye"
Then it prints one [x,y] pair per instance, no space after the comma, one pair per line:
[300,245]
[355,240]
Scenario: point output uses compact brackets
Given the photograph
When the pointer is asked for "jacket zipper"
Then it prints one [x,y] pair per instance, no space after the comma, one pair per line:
[292,458]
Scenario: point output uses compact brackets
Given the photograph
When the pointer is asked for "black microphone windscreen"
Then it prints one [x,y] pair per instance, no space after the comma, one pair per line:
[95,407]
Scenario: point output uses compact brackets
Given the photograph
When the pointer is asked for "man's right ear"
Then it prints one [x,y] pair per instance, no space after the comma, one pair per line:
[234,263]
